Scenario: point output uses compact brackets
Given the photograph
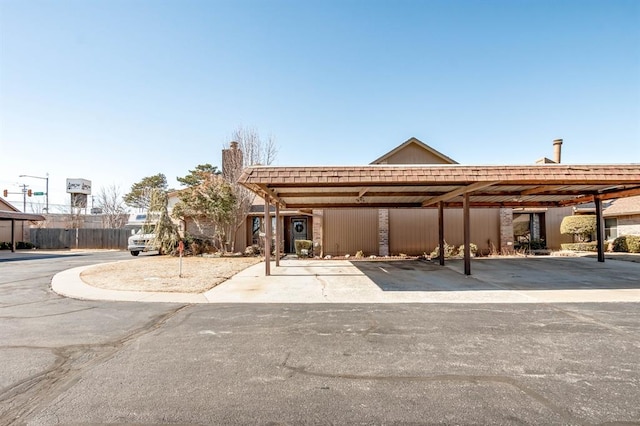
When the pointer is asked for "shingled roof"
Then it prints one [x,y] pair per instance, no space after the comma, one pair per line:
[425,185]
[623,206]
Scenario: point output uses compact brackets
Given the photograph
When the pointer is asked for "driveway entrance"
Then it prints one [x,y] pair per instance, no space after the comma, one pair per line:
[495,280]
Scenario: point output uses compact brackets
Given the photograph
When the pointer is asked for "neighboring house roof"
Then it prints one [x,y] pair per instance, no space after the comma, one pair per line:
[392,157]
[545,160]
[5,205]
[622,207]
[10,212]
[13,215]
[612,208]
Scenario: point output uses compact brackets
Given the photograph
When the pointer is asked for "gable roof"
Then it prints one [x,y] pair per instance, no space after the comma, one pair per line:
[420,144]
[545,160]
[5,205]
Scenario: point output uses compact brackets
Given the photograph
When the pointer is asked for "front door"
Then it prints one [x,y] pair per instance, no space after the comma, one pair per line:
[298,231]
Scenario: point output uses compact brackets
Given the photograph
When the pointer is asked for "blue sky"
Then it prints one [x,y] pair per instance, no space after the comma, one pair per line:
[113,91]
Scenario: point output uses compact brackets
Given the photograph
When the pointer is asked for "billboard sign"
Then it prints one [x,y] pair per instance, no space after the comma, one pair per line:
[78,186]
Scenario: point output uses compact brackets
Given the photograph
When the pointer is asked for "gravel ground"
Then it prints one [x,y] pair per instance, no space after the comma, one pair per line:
[161,273]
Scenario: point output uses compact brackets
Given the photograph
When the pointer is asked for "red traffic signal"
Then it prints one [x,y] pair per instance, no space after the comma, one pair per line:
[29,193]
[6,192]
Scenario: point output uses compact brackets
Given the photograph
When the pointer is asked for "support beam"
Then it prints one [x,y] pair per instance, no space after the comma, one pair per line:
[599,229]
[467,234]
[632,192]
[541,189]
[362,192]
[272,194]
[456,192]
[278,236]
[267,237]
[441,232]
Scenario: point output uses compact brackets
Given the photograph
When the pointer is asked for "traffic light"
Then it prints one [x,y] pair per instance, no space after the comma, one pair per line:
[6,193]
[29,193]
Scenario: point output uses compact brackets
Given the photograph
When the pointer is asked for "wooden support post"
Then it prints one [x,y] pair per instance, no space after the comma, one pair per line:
[13,236]
[467,234]
[599,229]
[267,237]
[441,232]
[278,229]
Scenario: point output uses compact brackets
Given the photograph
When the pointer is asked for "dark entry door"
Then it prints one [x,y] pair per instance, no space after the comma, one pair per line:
[298,230]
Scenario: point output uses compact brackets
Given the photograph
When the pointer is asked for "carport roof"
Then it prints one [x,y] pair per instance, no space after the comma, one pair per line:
[383,186]
[11,215]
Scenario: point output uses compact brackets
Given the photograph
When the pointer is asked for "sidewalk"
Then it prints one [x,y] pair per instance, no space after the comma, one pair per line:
[339,281]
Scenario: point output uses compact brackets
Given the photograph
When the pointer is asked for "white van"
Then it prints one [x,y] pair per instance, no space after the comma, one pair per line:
[142,233]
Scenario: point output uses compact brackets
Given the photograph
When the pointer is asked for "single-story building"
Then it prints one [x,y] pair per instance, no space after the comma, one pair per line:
[341,230]
[12,223]
[387,187]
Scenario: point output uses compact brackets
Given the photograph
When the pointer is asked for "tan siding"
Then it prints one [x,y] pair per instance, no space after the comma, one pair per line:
[240,242]
[347,231]
[413,154]
[415,231]
[553,219]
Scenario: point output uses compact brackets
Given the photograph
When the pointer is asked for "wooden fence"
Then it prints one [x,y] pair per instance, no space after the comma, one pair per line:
[59,238]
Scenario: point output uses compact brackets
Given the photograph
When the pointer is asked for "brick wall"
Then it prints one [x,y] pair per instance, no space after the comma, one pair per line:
[318,216]
[506,231]
[629,225]
[383,232]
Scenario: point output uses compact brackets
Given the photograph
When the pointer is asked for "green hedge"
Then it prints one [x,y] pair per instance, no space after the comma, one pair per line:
[20,245]
[582,226]
[627,244]
[592,246]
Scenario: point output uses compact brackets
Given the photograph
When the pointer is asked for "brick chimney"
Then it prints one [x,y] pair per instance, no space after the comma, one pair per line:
[557,150]
[232,162]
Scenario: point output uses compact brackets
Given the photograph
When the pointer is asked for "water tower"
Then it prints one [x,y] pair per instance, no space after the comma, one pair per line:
[79,190]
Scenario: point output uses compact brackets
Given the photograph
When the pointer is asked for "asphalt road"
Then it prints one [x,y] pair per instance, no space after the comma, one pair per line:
[70,361]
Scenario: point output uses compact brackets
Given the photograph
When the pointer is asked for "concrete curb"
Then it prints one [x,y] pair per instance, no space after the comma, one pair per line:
[334,282]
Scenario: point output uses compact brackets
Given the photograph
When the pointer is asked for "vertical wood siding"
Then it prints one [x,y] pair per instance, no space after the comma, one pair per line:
[415,231]
[347,231]
[553,218]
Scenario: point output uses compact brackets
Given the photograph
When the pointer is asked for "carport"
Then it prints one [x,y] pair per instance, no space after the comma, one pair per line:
[439,186]
[6,215]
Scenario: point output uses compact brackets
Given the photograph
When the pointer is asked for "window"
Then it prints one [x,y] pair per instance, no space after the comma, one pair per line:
[257,227]
[610,229]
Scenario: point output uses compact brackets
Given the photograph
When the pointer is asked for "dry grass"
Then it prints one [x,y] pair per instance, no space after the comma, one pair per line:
[161,273]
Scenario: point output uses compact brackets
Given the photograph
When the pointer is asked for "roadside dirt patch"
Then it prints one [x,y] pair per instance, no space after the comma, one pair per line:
[161,273]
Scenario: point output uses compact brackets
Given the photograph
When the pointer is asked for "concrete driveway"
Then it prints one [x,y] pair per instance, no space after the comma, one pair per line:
[495,280]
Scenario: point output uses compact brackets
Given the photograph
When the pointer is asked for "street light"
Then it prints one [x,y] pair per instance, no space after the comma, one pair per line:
[46,193]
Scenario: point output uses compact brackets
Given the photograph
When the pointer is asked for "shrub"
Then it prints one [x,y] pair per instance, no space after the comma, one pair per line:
[196,246]
[20,245]
[590,246]
[540,244]
[359,254]
[581,226]
[304,248]
[472,248]
[449,251]
[627,244]
[252,250]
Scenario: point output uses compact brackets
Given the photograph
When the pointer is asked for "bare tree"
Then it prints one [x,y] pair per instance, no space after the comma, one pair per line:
[246,149]
[114,210]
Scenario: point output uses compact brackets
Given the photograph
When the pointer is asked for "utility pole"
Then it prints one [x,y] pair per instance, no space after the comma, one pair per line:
[24,198]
